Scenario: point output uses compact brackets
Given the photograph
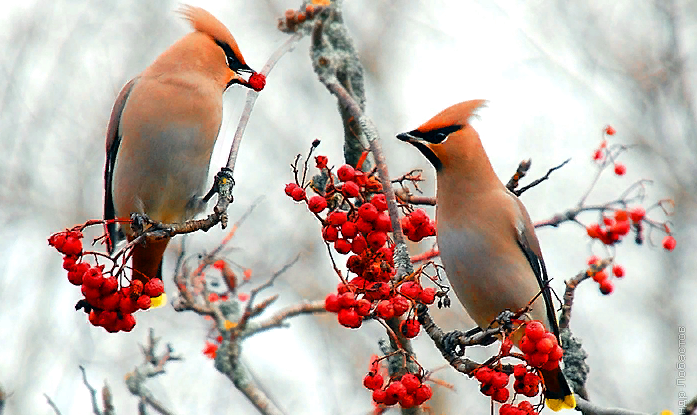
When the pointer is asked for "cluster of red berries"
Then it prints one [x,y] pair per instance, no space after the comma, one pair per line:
[527,382]
[362,231]
[600,153]
[417,225]
[108,305]
[211,349]
[612,230]
[408,390]
[540,346]
[493,383]
[523,408]
[603,278]
[293,18]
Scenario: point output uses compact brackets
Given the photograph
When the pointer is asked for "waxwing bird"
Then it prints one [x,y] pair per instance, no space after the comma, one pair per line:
[486,240]
[162,130]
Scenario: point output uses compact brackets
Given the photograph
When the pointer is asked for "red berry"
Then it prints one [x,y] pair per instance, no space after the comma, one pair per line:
[379,396]
[499,380]
[535,330]
[93,278]
[637,214]
[383,223]
[330,233]
[94,318]
[608,221]
[290,187]
[594,231]
[72,246]
[407,401]
[127,305]
[620,169]
[364,226]
[154,287]
[342,246]
[350,189]
[620,227]
[144,302]
[363,307]
[411,382]
[57,240]
[411,289]
[593,259]
[385,309]
[298,194]
[376,239]
[257,81]
[500,395]
[606,287]
[506,346]
[618,271]
[379,201]
[527,345]
[316,204]
[368,212]
[418,217]
[69,262]
[428,295]
[621,215]
[519,370]
[321,162]
[598,155]
[400,305]
[347,300]
[331,303]
[77,272]
[396,390]
[109,285]
[484,374]
[354,263]
[346,173]
[550,365]
[111,301]
[349,318]
[410,328]
[373,381]
[349,230]
[423,394]
[669,243]
[538,359]
[600,276]
[609,130]
[556,353]
[544,345]
[127,323]
[337,218]
[359,245]
[91,294]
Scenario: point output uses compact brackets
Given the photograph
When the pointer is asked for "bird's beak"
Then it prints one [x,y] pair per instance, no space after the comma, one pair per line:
[407,137]
[235,77]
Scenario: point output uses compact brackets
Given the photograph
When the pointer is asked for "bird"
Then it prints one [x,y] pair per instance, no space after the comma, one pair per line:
[486,239]
[162,131]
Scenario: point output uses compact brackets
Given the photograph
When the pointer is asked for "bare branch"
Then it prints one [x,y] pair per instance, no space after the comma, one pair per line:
[93,392]
[587,408]
[538,181]
[279,319]
[52,404]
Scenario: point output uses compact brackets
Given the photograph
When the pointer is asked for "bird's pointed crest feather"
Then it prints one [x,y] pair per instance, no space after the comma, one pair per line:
[456,114]
[204,22]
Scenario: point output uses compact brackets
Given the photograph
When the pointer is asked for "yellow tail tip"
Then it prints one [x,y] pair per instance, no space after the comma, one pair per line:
[159,301]
[569,402]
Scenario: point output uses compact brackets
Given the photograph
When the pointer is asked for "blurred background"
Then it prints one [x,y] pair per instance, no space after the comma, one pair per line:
[555,73]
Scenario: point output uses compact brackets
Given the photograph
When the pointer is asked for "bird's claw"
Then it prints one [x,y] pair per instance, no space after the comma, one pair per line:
[451,343]
[222,185]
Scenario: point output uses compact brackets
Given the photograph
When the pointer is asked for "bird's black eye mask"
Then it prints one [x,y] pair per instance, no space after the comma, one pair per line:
[232,61]
[436,136]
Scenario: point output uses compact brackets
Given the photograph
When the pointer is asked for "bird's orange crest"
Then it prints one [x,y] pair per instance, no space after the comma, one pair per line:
[204,22]
[454,115]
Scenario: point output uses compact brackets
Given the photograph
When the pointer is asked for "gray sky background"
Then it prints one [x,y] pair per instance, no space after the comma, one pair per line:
[555,73]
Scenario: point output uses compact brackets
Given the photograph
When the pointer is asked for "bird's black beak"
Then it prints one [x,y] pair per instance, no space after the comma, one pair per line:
[408,137]
[412,137]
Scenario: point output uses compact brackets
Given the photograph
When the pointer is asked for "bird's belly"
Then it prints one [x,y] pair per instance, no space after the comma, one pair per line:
[165,175]
[485,281]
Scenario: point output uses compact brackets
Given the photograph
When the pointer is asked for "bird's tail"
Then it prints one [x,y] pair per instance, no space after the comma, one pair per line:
[558,395]
[147,260]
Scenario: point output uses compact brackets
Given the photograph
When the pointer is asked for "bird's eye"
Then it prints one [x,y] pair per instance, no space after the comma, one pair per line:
[440,138]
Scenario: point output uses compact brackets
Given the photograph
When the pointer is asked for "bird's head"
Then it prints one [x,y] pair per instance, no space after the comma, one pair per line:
[220,53]
[447,138]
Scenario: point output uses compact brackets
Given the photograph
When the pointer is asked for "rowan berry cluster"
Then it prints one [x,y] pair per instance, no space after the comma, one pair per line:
[108,305]
[602,277]
[602,153]
[357,223]
[292,19]
[523,408]
[408,390]
[493,383]
[612,230]
[527,382]
[540,346]
[417,225]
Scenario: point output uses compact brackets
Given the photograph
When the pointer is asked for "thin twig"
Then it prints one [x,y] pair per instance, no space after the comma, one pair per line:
[280,317]
[588,408]
[93,392]
[541,179]
[52,404]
